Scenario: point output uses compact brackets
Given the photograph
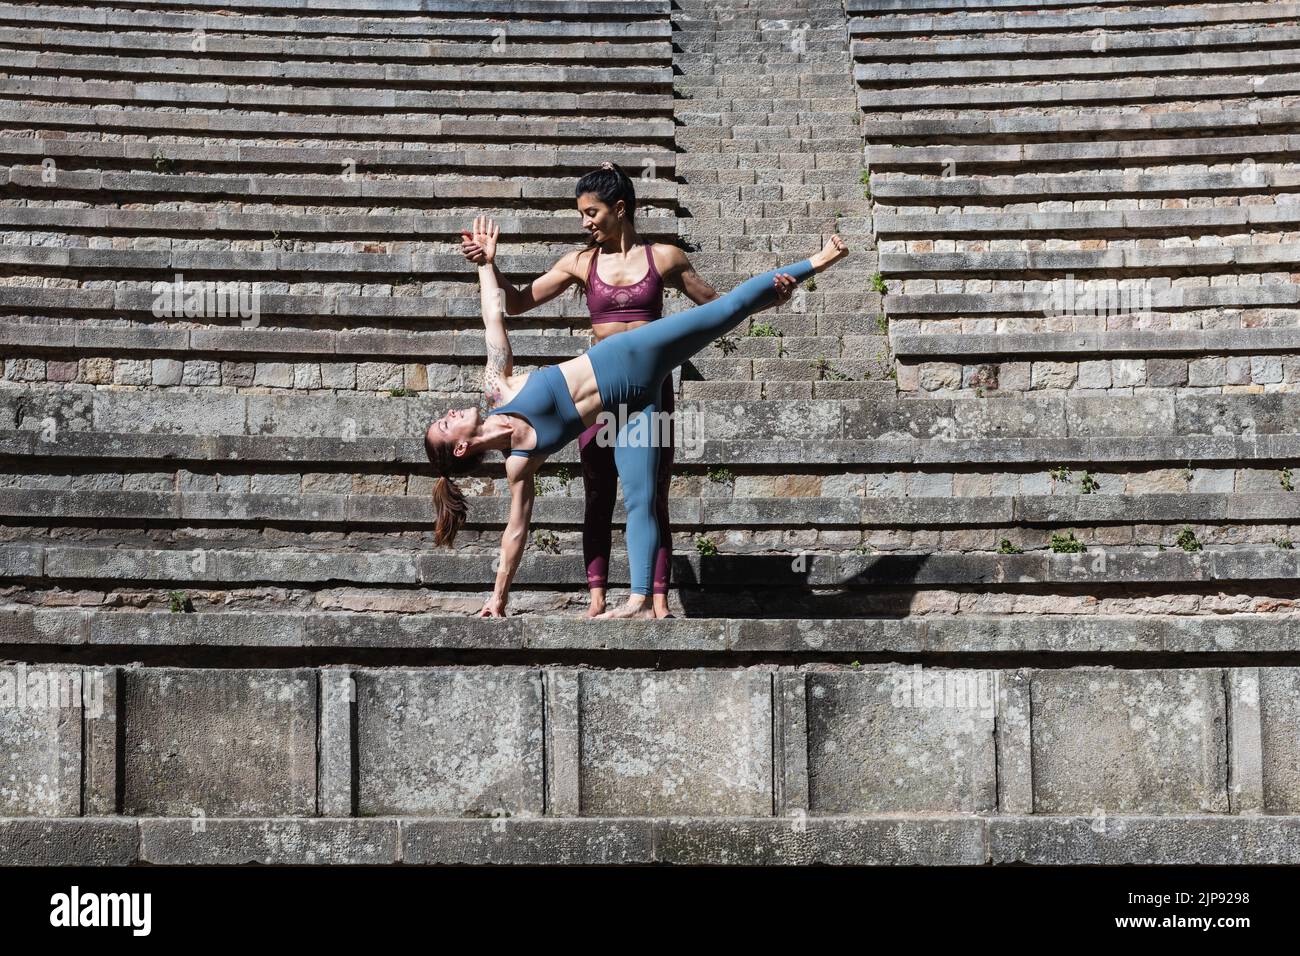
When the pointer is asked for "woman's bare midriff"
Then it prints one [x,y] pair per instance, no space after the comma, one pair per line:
[604,330]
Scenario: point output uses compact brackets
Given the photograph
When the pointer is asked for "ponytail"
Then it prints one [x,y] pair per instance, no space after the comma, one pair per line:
[450,510]
[450,506]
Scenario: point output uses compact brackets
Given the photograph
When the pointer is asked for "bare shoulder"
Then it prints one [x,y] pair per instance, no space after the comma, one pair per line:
[669,258]
[576,262]
[519,472]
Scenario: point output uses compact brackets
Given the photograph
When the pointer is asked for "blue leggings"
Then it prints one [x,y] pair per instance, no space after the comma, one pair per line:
[630,368]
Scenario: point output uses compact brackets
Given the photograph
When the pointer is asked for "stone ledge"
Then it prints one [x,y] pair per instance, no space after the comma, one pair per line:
[1240,633]
[1033,186]
[1044,303]
[335,453]
[930,840]
[982,21]
[621,28]
[554,160]
[363,127]
[928,511]
[249,47]
[1145,152]
[801,571]
[1082,346]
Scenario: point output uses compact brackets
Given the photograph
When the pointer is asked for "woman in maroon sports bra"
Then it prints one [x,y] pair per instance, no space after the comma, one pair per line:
[618,301]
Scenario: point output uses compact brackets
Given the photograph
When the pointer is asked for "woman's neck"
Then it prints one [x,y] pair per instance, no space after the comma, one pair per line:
[622,244]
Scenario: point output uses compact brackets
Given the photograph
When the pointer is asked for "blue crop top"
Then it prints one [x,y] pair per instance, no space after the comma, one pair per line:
[546,404]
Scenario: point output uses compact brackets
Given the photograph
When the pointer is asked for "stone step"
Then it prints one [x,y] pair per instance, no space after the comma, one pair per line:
[1113,223]
[1130,153]
[764,577]
[465,163]
[465,347]
[52,442]
[929,508]
[246,125]
[985,21]
[1197,342]
[891,7]
[838,839]
[527,22]
[830,309]
[1021,47]
[576,47]
[99,425]
[1002,96]
[220,222]
[905,190]
[986,128]
[1029,69]
[810,638]
[275,269]
[716,390]
[1062,299]
[66,92]
[378,75]
[1205,260]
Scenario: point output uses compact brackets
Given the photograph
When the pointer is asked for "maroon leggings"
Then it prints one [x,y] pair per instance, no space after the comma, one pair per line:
[600,480]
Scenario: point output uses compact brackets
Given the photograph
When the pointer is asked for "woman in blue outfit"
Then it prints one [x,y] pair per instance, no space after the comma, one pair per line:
[633,294]
[536,414]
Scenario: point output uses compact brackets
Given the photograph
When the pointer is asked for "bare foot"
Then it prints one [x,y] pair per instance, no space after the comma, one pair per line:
[595,610]
[629,610]
[834,250]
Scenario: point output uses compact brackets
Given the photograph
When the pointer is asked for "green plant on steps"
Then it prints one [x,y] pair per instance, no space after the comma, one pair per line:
[1060,473]
[878,284]
[1066,543]
[727,344]
[705,546]
[882,323]
[179,603]
[1284,543]
[1006,547]
[1284,476]
[1088,484]
[721,475]
[761,330]
[1187,540]
[547,540]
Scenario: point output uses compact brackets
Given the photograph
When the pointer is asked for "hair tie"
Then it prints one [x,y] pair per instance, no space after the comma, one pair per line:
[607,165]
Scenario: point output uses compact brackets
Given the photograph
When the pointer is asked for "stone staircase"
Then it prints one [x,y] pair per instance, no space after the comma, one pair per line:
[215,536]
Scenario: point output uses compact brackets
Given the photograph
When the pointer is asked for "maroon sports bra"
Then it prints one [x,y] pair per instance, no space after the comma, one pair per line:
[640,302]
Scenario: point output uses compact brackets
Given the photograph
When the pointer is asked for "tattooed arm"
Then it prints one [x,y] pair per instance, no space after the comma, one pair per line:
[500,360]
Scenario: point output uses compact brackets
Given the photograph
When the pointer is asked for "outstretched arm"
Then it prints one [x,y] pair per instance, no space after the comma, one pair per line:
[516,301]
[519,474]
[500,359]
[681,275]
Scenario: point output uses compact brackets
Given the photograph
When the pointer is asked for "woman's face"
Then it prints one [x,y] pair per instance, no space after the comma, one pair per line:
[599,220]
[459,424]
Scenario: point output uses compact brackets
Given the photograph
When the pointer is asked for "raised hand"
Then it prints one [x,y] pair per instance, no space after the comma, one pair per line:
[471,250]
[485,235]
